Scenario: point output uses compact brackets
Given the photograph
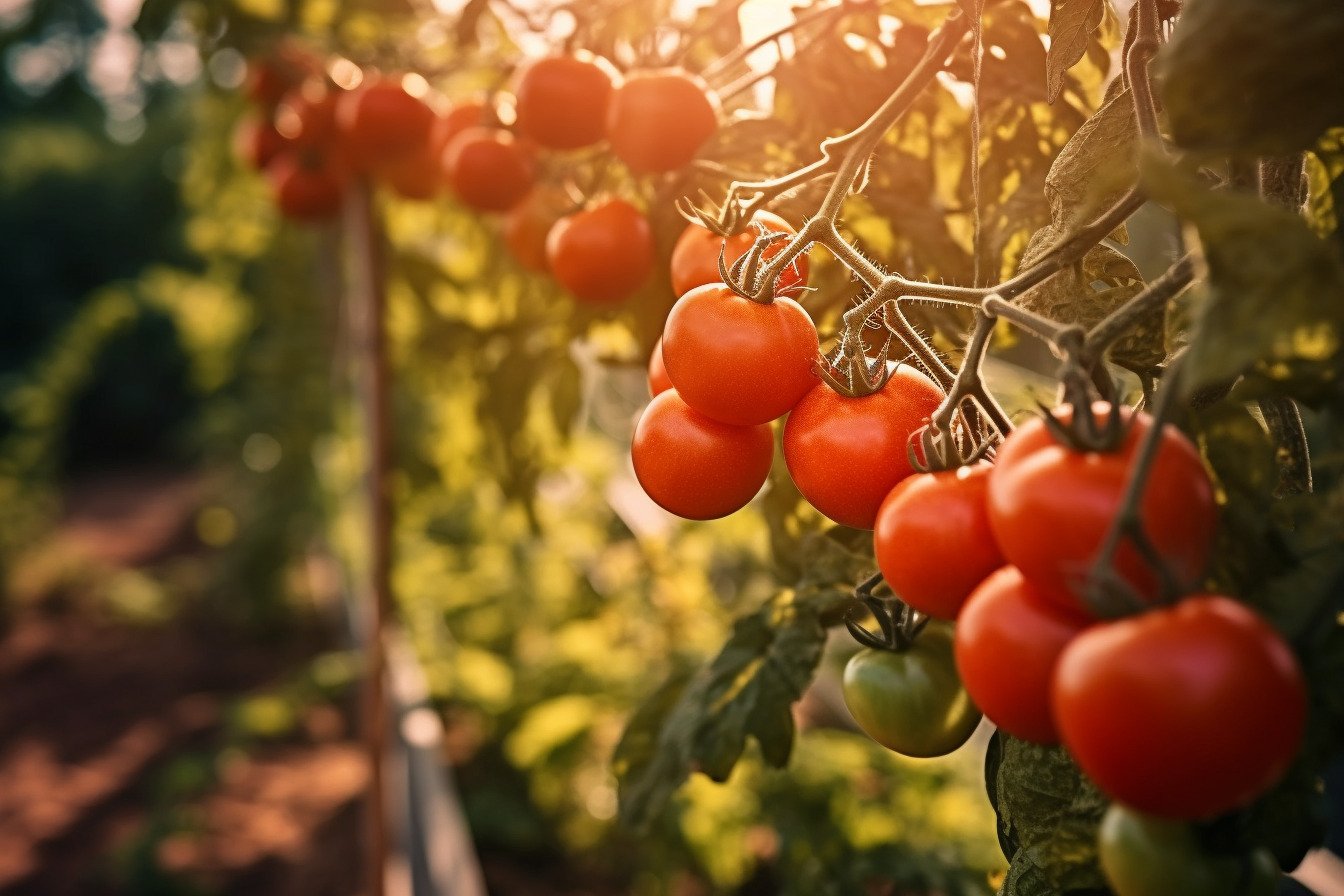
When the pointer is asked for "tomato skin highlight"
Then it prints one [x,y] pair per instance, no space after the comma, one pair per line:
[847,454]
[1051,507]
[932,539]
[658,380]
[911,702]
[562,101]
[488,169]
[695,257]
[1008,642]
[603,254]
[1183,712]
[695,467]
[659,118]
[739,361]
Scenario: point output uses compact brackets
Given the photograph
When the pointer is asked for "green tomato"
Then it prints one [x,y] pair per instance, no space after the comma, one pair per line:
[911,701]
[1146,856]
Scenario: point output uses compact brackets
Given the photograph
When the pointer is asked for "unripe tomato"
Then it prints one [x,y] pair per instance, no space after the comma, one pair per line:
[1182,712]
[256,142]
[659,119]
[307,186]
[696,467]
[911,702]
[1146,856]
[602,254]
[658,381]
[488,169]
[932,539]
[526,225]
[380,122]
[739,361]
[562,101]
[1051,507]
[695,257]
[1008,641]
[847,454]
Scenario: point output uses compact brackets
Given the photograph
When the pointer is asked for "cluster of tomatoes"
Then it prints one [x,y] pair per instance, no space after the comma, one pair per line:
[312,139]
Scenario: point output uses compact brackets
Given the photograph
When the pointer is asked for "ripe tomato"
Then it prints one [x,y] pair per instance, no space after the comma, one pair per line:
[1181,712]
[602,254]
[1146,856]
[488,169]
[306,117]
[1051,506]
[469,114]
[912,701]
[659,119]
[380,122]
[307,186]
[696,467]
[847,454]
[269,78]
[739,361]
[695,257]
[932,539]
[256,142]
[526,225]
[658,381]
[1008,641]
[562,101]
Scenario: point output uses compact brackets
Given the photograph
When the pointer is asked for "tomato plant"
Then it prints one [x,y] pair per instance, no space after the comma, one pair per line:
[488,169]
[1051,506]
[911,700]
[659,119]
[695,256]
[601,254]
[847,454]
[1146,856]
[562,101]
[1182,712]
[736,360]
[932,539]
[695,467]
[1008,642]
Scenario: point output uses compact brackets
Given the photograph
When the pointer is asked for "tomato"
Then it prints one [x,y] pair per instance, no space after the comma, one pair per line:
[381,122]
[659,119]
[1182,712]
[695,257]
[1051,507]
[306,117]
[602,254]
[562,101]
[696,467]
[847,454]
[488,169]
[256,142]
[658,381]
[911,702]
[932,539]
[469,114]
[736,360]
[271,77]
[418,176]
[1008,641]
[1146,856]
[526,225]
[307,186]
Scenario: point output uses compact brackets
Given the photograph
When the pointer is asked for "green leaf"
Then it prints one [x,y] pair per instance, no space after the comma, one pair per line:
[1072,23]
[1253,77]
[1049,812]
[702,723]
[1274,289]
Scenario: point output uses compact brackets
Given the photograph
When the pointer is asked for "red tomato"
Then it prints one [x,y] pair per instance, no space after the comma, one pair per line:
[602,254]
[488,169]
[470,114]
[1008,640]
[271,77]
[932,539]
[256,141]
[526,225]
[380,122]
[1182,712]
[1051,506]
[418,174]
[307,118]
[847,454]
[695,257]
[562,101]
[659,119]
[739,361]
[658,381]
[696,467]
[307,186]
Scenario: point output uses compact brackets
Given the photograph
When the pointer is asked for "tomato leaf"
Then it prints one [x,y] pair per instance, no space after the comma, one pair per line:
[1072,23]
[702,723]
[1097,166]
